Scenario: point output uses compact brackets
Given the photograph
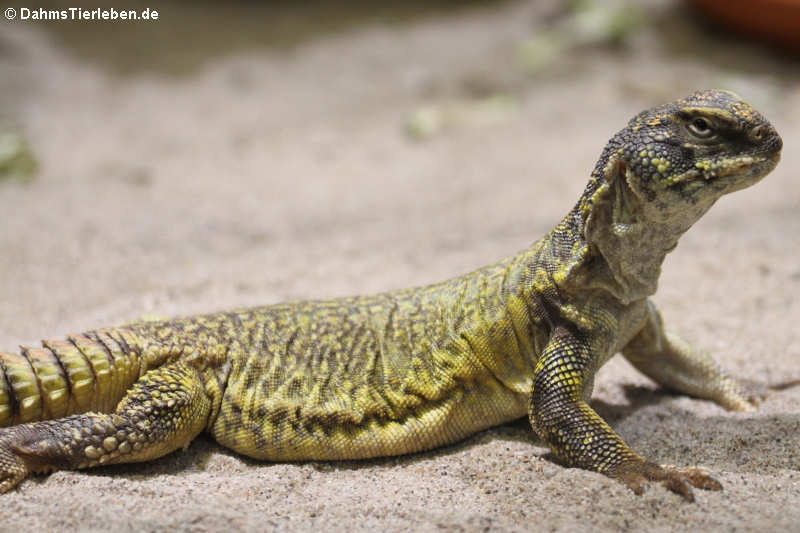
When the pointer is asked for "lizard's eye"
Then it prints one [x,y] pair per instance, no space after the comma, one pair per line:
[701,128]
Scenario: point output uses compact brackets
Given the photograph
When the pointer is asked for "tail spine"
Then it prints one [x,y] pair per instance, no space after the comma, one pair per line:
[86,372]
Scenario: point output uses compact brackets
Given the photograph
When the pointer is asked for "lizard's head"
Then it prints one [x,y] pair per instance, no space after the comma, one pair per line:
[684,155]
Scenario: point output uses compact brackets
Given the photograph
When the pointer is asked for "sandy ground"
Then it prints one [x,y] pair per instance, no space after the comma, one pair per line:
[265,175]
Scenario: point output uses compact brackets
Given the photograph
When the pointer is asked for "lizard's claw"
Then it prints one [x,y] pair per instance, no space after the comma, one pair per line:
[754,392]
[12,467]
[680,480]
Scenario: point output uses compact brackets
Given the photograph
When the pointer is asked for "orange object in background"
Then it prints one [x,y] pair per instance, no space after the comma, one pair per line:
[774,21]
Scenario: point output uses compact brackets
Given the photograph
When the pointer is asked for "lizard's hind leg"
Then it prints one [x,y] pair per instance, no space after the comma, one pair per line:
[164,410]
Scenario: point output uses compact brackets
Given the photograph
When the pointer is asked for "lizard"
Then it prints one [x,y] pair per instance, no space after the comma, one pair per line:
[413,369]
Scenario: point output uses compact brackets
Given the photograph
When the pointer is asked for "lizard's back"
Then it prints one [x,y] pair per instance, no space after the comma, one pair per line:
[376,375]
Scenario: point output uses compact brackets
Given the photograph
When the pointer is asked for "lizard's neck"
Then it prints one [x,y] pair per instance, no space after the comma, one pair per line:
[625,244]
[630,255]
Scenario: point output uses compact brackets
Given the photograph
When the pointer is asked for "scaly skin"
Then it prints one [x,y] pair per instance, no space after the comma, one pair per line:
[414,369]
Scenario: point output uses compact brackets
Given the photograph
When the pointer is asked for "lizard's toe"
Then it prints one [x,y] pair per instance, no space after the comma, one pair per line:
[696,476]
[754,392]
[742,395]
[636,474]
[12,468]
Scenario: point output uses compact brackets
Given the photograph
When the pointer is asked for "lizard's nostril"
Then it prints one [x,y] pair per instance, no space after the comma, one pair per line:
[765,136]
[758,132]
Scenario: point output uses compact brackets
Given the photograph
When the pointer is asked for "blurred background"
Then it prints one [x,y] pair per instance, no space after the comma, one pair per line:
[245,153]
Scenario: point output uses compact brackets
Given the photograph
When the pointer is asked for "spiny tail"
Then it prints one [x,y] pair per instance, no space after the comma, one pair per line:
[88,372]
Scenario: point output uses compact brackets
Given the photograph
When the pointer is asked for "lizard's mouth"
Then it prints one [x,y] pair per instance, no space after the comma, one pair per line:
[725,176]
[744,167]
[736,173]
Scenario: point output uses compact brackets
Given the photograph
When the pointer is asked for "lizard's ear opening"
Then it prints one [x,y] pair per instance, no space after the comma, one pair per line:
[633,185]
[619,200]
[628,188]
[629,193]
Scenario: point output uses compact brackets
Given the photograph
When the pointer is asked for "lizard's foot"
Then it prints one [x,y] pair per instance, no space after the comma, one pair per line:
[163,411]
[12,467]
[680,480]
[741,394]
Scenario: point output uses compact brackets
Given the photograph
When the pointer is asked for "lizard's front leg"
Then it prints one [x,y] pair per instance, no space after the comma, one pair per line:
[576,433]
[670,361]
[163,411]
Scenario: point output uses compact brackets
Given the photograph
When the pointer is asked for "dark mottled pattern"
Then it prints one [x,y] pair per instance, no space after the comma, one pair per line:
[413,369]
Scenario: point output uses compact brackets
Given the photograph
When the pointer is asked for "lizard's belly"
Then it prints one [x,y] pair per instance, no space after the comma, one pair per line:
[273,431]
